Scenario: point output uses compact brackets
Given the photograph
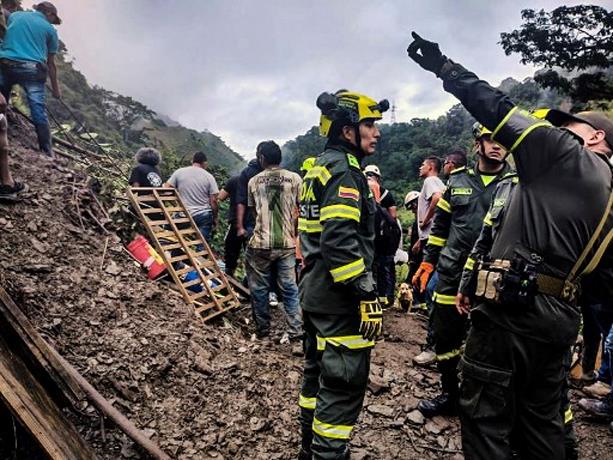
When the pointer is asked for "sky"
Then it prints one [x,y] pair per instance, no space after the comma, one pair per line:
[251,70]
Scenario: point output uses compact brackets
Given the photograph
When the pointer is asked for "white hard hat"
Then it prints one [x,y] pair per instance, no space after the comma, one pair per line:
[374,169]
[411,196]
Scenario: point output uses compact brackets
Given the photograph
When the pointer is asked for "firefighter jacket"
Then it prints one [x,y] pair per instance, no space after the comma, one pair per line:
[457,222]
[337,230]
[559,211]
[491,224]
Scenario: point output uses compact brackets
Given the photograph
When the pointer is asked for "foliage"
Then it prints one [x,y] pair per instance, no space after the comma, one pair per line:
[573,38]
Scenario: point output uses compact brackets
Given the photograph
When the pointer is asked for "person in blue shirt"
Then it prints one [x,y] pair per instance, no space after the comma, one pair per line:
[27,57]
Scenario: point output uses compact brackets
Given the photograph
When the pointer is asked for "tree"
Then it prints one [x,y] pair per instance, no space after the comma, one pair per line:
[573,39]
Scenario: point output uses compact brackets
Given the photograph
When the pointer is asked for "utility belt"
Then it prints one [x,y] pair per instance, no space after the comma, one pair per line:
[518,281]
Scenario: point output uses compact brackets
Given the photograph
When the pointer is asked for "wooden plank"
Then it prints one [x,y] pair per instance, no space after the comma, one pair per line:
[27,400]
[14,325]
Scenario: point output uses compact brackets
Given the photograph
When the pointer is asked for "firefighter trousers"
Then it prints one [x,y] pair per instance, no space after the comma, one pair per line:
[449,328]
[337,362]
[510,397]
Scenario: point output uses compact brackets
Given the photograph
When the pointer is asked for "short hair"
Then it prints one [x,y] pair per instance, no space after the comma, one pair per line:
[148,156]
[457,157]
[435,162]
[270,151]
[199,157]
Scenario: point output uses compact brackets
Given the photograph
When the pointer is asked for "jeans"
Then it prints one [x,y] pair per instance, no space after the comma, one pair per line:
[259,264]
[32,80]
[607,358]
[204,222]
[386,277]
[428,294]
[604,318]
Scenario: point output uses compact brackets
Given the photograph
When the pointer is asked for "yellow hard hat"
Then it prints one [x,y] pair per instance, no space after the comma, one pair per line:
[479,130]
[307,164]
[347,107]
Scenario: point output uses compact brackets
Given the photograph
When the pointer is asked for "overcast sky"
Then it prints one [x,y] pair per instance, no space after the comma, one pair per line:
[250,70]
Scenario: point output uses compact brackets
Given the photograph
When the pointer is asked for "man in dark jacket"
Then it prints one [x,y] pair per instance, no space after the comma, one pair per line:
[512,369]
[342,316]
[457,223]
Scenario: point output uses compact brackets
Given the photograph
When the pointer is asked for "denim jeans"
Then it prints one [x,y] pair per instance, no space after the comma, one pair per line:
[259,264]
[204,222]
[604,318]
[32,80]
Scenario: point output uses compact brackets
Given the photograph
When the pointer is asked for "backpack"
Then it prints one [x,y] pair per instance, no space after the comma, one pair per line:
[387,231]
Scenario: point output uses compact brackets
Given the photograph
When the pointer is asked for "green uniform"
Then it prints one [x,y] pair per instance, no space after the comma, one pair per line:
[336,227]
[457,223]
[512,369]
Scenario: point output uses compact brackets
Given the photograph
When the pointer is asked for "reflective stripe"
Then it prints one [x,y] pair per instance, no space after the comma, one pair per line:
[470,264]
[449,355]
[341,211]
[353,342]
[328,430]
[525,133]
[444,205]
[307,403]
[487,220]
[436,241]
[348,271]
[443,299]
[504,121]
[309,226]
[319,172]
[568,416]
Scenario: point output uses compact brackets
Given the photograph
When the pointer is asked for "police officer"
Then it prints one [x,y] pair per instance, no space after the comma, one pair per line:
[457,223]
[342,316]
[554,228]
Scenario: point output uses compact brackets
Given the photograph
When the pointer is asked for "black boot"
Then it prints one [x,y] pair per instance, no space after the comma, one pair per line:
[443,404]
[305,454]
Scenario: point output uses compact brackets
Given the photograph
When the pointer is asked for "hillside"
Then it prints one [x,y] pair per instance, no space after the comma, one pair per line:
[122,124]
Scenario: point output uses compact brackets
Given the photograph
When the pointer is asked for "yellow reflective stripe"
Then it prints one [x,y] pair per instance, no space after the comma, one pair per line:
[487,220]
[470,264]
[307,403]
[348,271]
[449,355]
[341,211]
[504,121]
[444,205]
[436,241]
[327,430]
[319,172]
[353,342]
[309,226]
[525,133]
[443,299]
[568,416]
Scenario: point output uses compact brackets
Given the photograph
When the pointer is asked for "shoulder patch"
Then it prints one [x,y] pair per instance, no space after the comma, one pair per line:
[353,161]
[349,193]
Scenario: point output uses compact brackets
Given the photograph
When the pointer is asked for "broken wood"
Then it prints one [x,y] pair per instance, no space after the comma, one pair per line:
[117,417]
[29,402]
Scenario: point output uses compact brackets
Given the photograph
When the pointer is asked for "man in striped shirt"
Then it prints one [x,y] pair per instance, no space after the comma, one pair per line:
[273,198]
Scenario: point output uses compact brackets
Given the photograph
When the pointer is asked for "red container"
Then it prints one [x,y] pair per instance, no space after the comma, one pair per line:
[142,251]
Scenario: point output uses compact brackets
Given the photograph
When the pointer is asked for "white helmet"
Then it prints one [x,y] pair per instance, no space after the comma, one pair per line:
[374,169]
[411,196]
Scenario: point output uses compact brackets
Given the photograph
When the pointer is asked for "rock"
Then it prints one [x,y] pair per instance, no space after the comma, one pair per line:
[38,246]
[432,427]
[112,268]
[32,227]
[3,221]
[416,418]
[257,424]
[381,409]
[377,385]
[359,454]
[441,422]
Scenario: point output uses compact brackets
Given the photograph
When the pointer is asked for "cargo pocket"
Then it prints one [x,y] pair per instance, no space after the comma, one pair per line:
[345,367]
[485,391]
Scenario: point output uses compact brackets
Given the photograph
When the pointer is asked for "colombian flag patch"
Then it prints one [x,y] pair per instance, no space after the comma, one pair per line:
[348,192]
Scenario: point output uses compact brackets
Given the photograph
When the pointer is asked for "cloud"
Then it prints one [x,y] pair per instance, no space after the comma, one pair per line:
[250,70]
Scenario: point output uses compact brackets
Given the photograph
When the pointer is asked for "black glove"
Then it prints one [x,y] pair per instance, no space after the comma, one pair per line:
[430,58]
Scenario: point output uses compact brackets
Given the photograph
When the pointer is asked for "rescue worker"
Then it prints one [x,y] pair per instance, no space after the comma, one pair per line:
[457,223]
[554,228]
[480,252]
[341,314]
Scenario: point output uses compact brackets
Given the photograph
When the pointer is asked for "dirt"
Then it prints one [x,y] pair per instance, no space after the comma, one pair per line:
[201,391]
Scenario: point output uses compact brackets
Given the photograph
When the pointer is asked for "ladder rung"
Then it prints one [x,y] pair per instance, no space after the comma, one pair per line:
[181,220]
[184,270]
[164,234]
[192,283]
[174,209]
[168,198]
[205,307]
[180,258]
[158,222]
[170,247]
[144,198]
[198,295]
[151,210]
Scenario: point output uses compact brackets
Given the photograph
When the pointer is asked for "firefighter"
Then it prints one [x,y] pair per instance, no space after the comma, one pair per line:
[342,316]
[554,231]
[457,223]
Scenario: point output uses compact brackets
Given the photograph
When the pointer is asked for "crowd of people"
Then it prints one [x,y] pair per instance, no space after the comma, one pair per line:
[507,260]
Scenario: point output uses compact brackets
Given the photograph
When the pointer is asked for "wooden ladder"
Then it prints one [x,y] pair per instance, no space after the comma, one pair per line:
[184,250]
